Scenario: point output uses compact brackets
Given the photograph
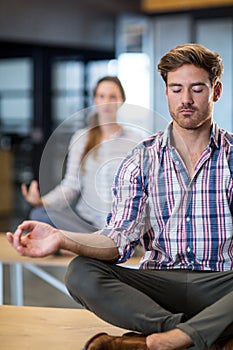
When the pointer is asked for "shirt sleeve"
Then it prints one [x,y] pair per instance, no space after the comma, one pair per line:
[126,221]
[67,191]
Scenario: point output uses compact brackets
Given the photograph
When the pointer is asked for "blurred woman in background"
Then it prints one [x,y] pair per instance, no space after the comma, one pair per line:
[83,198]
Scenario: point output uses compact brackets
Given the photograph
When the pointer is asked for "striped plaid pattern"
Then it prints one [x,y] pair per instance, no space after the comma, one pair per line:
[182,223]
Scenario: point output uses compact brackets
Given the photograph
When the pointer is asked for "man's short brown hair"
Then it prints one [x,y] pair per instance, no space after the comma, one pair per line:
[195,54]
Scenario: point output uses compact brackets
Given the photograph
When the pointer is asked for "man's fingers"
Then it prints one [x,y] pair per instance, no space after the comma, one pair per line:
[16,242]
[27,225]
[15,239]
[10,237]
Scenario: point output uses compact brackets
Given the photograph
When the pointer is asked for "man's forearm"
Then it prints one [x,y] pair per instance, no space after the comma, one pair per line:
[92,245]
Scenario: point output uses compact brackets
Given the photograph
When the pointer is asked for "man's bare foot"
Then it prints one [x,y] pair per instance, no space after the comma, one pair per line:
[171,340]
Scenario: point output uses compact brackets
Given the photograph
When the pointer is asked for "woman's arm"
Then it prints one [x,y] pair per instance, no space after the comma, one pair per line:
[68,189]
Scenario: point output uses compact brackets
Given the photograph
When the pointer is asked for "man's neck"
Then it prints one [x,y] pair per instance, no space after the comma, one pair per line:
[190,144]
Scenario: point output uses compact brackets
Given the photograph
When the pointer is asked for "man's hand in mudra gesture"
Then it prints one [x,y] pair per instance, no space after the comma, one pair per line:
[35,239]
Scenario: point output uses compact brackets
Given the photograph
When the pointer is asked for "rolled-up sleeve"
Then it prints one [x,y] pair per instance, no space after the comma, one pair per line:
[126,221]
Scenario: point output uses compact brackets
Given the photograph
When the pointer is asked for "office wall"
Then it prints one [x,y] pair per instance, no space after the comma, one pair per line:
[93,25]
[216,34]
[67,23]
[168,31]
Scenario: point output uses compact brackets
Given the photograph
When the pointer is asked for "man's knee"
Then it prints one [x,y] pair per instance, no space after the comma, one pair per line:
[74,271]
[80,279]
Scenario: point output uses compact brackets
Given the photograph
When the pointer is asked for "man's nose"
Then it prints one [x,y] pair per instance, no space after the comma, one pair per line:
[187,97]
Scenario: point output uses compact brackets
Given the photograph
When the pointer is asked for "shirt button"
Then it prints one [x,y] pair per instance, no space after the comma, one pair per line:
[177,162]
[188,249]
[188,219]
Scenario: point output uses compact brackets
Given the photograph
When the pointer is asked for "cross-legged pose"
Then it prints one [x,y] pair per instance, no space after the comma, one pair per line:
[174,194]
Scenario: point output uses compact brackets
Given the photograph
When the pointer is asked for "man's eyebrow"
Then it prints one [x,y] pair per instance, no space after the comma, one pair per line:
[174,84]
[199,83]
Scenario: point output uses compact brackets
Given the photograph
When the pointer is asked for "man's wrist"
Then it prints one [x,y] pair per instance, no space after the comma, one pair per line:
[60,237]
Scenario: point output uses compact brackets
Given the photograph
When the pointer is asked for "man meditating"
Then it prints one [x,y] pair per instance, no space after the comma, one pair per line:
[174,194]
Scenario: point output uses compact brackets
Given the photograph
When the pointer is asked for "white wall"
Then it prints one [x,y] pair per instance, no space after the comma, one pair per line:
[217,35]
[169,31]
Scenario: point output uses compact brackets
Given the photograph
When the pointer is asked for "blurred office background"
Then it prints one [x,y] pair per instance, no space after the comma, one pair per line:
[53,52]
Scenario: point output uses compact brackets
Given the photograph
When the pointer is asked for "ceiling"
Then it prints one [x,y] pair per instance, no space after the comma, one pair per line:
[107,6]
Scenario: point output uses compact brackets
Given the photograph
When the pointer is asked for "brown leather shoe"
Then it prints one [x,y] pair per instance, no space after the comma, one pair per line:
[228,345]
[103,341]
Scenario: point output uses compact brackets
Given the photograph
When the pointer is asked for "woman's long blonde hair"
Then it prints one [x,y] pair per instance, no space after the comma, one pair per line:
[94,133]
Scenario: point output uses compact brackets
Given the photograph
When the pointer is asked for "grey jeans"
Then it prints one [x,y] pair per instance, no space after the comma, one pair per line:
[150,301]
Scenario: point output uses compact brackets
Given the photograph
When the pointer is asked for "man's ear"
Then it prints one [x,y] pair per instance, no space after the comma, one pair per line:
[217,91]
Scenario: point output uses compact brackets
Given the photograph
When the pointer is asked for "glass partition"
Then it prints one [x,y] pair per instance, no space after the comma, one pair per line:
[16,99]
[67,89]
